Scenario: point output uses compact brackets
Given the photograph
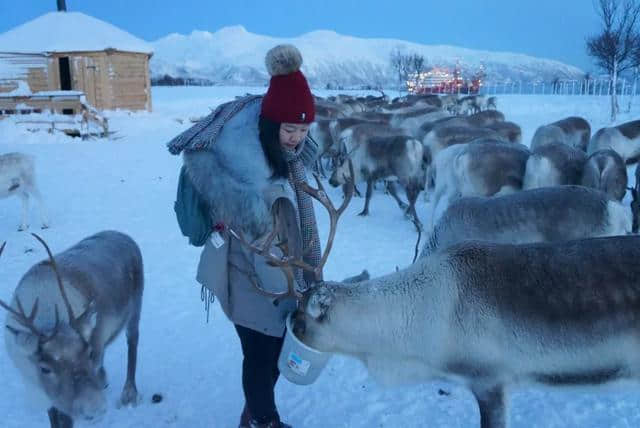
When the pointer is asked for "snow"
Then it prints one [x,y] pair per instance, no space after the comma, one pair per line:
[12,70]
[129,184]
[22,90]
[69,32]
[330,57]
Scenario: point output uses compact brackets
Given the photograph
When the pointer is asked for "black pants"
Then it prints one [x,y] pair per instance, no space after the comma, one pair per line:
[259,372]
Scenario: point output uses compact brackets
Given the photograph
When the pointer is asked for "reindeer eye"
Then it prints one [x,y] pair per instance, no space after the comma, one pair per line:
[45,370]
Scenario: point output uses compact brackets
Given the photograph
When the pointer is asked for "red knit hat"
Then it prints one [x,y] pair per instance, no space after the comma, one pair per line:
[288,98]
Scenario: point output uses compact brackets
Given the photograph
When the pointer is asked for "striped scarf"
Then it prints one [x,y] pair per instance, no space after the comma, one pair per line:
[201,135]
[308,224]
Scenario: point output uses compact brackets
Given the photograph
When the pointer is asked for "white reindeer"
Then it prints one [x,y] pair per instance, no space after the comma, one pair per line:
[490,316]
[481,168]
[574,131]
[623,138]
[554,164]
[17,177]
[65,311]
[606,170]
[380,152]
[548,214]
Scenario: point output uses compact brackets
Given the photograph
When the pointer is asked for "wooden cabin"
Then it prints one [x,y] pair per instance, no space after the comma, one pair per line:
[71,51]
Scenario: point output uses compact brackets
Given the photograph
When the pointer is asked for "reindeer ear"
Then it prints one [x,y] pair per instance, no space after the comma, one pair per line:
[88,321]
[26,342]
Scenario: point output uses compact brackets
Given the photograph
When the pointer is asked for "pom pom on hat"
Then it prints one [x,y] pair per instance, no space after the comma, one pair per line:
[283,59]
[288,98]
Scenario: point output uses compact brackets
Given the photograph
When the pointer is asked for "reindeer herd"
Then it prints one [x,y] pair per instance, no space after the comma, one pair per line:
[529,273]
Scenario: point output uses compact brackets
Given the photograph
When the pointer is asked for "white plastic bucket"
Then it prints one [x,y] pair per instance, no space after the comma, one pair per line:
[298,362]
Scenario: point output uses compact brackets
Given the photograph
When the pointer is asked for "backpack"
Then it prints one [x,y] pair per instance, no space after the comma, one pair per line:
[192,211]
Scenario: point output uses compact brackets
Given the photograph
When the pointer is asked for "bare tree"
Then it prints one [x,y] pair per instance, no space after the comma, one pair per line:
[417,63]
[401,63]
[635,82]
[615,49]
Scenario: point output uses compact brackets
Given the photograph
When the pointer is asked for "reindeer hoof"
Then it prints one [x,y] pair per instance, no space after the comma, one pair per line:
[44,226]
[130,396]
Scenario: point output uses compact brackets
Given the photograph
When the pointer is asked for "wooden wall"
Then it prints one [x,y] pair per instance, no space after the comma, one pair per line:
[32,69]
[110,79]
[128,76]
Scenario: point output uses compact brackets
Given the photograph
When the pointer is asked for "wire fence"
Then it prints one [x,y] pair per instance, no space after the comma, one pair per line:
[590,87]
[598,87]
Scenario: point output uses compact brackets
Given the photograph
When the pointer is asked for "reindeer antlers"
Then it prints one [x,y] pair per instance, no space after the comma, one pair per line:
[28,320]
[334,214]
[287,262]
[74,322]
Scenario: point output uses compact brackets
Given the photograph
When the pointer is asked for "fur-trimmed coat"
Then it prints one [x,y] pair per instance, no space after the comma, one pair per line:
[235,179]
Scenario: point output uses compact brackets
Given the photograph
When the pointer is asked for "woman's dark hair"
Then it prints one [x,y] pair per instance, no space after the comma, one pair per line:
[270,141]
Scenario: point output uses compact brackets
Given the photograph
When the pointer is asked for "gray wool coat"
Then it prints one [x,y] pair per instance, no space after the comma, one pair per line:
[234,177]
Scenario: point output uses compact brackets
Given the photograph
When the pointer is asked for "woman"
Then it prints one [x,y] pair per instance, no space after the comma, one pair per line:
[242,159]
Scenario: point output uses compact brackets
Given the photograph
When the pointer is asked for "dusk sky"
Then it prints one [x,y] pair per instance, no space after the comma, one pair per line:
[544,28]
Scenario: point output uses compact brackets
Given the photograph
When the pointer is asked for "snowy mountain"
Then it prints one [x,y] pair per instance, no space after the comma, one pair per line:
[232,55]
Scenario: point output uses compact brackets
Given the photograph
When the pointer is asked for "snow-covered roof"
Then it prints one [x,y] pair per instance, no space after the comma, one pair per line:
[69,32]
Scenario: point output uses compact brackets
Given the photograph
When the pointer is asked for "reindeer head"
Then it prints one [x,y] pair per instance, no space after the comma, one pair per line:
[289,261]
[59,359]
[343,168]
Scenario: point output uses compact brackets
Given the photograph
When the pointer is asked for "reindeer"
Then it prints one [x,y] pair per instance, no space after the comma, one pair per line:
[605,170]
[448,102]
[441,137]
[404,106]
[635,201]
[17,177]
[624,139]
[488,315]
[409,120]
[573,131]
[481,119]
[482,168]
[470,104]
[491,316]
[65,311]
[327,134]
[554,164]
[548,214]
[492,103]
[509,131]
[377,152]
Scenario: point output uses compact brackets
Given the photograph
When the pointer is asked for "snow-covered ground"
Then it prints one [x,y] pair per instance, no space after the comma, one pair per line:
[129,185]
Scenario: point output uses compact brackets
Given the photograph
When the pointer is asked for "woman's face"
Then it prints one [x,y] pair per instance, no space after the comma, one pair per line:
[292,134]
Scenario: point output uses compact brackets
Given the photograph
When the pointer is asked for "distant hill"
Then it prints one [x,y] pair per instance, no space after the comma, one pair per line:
[232,55]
